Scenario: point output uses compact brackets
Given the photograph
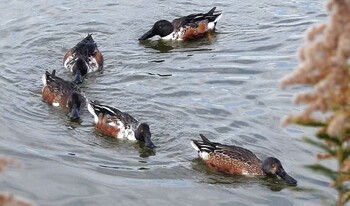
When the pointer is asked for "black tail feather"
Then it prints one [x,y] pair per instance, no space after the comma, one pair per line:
[205,145]
[206,140]
[211,12]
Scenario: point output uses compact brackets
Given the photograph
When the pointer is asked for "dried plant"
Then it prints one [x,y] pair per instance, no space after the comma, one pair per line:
[324,65]
[9,198]
[4,161]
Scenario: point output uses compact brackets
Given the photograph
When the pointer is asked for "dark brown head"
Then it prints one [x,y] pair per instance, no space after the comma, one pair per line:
[74,105]
[162,28]
[272,166]
[143,133]
[80,69]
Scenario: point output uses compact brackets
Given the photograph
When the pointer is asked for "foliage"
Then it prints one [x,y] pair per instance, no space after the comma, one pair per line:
[323,65]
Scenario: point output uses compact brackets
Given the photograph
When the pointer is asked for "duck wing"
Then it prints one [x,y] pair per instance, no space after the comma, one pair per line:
[194,19]
[86,47]
[59,85]
[233,152]
[114,113]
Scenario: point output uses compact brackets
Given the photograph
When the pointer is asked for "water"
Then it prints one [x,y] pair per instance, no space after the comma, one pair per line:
[225,87]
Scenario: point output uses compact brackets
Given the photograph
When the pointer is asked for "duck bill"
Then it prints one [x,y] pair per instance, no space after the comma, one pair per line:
[147,35]
[74,113]
[149,143]
[78,79]
[290,180]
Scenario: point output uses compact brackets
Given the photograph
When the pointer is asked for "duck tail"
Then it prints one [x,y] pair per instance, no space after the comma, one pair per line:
[213,17]
[211,12]
[47,77]
[195,145]
[91,109]
[203,146]
[204,138]
[86,47]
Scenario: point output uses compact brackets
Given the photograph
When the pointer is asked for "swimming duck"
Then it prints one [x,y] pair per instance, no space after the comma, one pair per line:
[84,58]
[62,93]
[112,122]
[185,28]
[238,161]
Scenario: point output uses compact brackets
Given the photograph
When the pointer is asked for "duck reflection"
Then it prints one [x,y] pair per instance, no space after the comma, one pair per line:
[144,151]
[123,145]
[160,45]
[166,46]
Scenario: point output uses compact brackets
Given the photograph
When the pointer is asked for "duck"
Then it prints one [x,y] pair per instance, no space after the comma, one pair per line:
[112,122]
[61,93]
[185,28]
[237,160]
[83,58]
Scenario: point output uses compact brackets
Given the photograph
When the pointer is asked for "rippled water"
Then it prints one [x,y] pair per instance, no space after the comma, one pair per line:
[225,87]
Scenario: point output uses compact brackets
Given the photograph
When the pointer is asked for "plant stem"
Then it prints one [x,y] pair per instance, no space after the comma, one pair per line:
[339,181]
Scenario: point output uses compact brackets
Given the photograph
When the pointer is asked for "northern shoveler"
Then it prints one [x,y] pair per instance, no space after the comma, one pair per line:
[112,122]
[83,58]
[238,161]
[188,27]
[62,93]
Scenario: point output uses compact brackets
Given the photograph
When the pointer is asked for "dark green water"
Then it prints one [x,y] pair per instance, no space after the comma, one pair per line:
[226,88]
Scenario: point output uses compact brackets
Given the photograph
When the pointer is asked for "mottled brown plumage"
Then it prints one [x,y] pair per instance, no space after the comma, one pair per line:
[62,93]
[196,32]
[238,160]
[58,90]
[231,163]
[83,58]
[185,28]
[112,122]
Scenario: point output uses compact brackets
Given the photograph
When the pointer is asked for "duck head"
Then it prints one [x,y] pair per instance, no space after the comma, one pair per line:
[272,166]
[79,70]
[162,28]
[74,105]
[143,133]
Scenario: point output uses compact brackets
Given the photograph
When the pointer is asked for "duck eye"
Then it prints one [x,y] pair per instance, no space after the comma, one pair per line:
[141,130]
[160,27]
[273,165]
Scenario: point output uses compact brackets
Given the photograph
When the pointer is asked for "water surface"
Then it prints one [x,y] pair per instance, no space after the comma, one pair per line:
[225,87]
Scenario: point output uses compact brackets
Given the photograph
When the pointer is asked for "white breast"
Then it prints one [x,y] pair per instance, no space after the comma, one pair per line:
[175,35]
[93,65]
[120,126]
[129,134]
[204,155]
